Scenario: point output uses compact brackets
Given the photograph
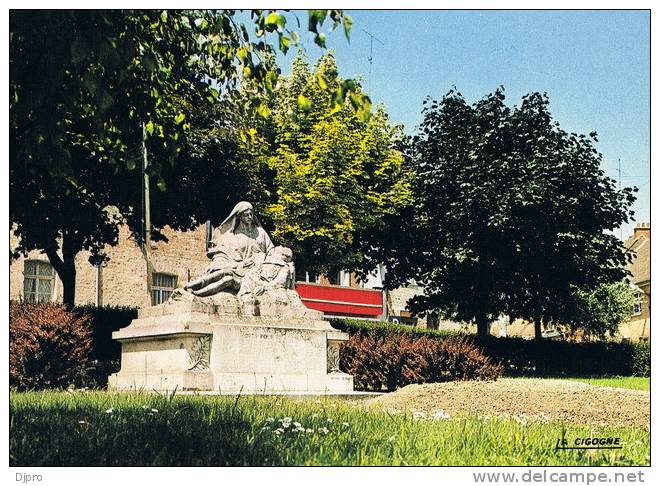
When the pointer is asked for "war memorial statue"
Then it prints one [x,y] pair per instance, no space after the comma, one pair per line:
[238,328]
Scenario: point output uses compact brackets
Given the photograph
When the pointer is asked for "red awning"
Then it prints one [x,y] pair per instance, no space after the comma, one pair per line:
[338,300]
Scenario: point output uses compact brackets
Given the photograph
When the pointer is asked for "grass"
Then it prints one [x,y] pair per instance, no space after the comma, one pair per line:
[112,429]
[630,382]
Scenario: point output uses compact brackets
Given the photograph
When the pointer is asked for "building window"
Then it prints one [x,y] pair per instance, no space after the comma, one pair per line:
[637,306]
[162,287]
[38,281]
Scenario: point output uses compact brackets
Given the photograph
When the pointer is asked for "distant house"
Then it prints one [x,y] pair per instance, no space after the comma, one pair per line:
[638,327]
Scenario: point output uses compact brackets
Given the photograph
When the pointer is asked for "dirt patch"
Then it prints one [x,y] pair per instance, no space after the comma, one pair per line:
[522,399]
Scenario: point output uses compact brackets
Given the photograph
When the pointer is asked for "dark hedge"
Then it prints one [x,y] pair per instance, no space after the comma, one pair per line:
[523,357]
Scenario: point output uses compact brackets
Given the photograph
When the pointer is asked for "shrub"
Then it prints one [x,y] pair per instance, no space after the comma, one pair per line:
[457,358]
[378,362]
[106,352]
[522,357]
[397,359]
[641,359]
[384,327]
[49,346]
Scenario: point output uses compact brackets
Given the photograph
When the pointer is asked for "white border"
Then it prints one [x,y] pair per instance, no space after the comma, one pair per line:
[316,476]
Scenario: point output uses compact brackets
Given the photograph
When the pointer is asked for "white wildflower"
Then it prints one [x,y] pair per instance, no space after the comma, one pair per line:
[329,420]
[110,410]
[440,415]
[324,430]
[81,422]
[296,424]
[521,419]
[345,424]
[309,431]
[154,410]
[314,415]
[270,420]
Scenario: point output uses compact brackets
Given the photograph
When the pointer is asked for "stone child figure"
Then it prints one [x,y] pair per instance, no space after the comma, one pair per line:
[275,272]
[238,244]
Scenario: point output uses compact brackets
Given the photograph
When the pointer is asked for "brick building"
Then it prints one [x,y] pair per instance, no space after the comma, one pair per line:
[122,281]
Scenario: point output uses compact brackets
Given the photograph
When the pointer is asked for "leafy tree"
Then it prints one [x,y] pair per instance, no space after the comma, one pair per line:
[86,87]
[599,313]
[510,216]
[335,174]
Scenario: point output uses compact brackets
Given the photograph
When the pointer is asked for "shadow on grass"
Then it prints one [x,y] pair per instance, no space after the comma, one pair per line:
[132,431]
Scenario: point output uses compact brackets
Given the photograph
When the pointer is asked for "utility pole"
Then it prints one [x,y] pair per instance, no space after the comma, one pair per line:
[619,184]
[371,54]
[146,249]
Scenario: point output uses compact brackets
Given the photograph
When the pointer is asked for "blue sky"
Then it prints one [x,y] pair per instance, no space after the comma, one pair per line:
[594,65]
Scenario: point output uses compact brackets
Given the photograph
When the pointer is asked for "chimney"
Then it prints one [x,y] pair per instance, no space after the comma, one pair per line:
[643,229]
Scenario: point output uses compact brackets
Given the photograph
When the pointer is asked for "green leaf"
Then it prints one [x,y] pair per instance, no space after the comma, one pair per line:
[150,127]
[304,103]
[263,110]
[339,96]
[320,40]
[275,21]
[348,25]
[321,81]
[161,184]
[163,16]
[284,43]
[179,118]
[316,18]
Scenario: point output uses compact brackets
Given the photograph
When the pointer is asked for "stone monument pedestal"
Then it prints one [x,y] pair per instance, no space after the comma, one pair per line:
[210,345]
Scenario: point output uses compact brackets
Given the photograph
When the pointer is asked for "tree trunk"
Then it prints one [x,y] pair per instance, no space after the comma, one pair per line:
[483,326]
[69,283]
[65,268]
[538,330]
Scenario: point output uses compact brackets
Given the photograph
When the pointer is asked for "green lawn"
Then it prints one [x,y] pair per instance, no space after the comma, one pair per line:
[631,382]
[106,429]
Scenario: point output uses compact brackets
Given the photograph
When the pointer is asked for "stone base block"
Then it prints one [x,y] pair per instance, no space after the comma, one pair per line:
[190,348]
[161,381]
[260,383]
